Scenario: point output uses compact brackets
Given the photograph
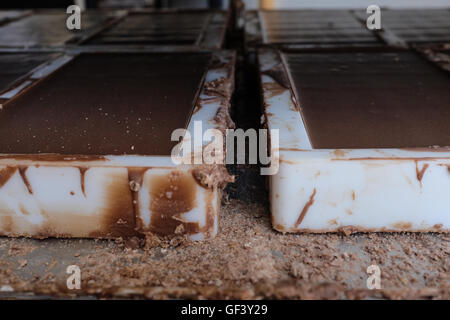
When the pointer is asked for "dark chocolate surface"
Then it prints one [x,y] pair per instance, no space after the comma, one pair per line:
[371,100]
[45,29]
[418,26]
[182,28]
[314,26]
[106,104]
[13,66]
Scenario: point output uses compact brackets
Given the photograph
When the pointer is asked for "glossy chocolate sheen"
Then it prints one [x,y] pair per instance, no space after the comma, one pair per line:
[418,26]
[314,26]
[13,66]
[45,29]
[371,100]
[106,104]
[182,28]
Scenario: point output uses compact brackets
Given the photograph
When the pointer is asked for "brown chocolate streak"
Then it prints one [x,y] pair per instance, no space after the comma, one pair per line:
[22,171]
[82,176]
[120,220]
[446,165]
[136,175]
[172,196]
[5,174]
[306,208]
[278,74]
[420,173]
[52,157]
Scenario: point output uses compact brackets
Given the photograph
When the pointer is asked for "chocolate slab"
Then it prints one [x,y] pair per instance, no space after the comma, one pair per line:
[45,29]
[371,100]
[313,26]
[105,104]
[170,28]
[418,26]
[13,66]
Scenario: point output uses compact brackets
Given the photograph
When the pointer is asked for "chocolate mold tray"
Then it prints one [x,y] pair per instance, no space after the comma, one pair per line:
[86,145]
[369,154]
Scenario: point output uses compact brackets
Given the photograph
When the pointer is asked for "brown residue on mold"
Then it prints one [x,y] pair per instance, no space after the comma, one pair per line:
[220,90]
[82,176]
[115,219]
[5,174]
[211,176]
[290,129]
[438,226]
[403,225]
[52,157]
[278,74]
[446,165]
[23,209]
[136,177]
[409,180]
[171,196]
[118,218]
[218,87]
[306,208]
[339,153]
[135,180]
[290,149]
[273,89]
[22,171]
[279,227]
[211,99]
[353,195]
[7,224]
[282,160]
[223,119]
[197,107]
[294,106]
[420,173]
[333,222]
